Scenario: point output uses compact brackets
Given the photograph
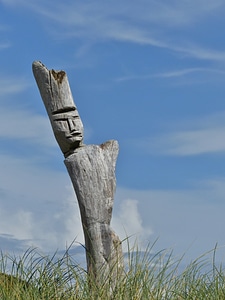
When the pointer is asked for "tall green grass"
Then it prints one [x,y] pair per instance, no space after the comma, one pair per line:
[147,275]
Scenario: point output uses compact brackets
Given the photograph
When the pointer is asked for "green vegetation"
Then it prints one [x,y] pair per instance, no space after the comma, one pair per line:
[148,275]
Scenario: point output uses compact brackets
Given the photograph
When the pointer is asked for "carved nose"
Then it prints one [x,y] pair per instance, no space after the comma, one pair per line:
[71,125]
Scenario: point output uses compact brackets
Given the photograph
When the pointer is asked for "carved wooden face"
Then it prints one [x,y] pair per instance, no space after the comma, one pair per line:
[68,129]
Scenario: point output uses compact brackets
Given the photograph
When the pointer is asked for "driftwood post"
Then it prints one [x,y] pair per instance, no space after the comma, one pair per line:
[92,172]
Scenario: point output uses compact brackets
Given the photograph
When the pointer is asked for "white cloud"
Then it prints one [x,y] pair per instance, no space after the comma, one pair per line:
[17,122]
[20,224]
[4,46]
[197,137]
[188,220]
[12,85]
[72,218]
[127,223]
[192,142]
[24,124]
[37,204]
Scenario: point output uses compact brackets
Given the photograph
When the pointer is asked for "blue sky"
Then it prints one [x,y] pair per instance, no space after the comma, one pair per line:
[149,74]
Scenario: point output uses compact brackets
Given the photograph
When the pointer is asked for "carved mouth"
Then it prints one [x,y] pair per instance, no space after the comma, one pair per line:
[74,134]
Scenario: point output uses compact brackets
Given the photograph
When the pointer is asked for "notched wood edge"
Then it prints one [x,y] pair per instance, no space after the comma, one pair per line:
[109,144]
[58,75]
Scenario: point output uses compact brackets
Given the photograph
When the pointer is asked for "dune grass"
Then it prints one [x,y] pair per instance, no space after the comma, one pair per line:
[147,275]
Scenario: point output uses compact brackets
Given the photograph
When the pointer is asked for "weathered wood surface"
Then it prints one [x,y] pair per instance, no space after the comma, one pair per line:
[58,100]
[92,172]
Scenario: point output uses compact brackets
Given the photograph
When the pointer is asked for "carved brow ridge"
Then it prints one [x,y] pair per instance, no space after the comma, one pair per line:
[64,110]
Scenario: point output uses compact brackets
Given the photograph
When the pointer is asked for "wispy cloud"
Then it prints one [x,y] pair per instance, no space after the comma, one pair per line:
[193,142]
[4,43]
[197,137]
[171,74]
[18,125]
[4,46]
[184,72]
[142,22]
[97,22]
[11,85]
[17,118]
[200,52]
[173,13]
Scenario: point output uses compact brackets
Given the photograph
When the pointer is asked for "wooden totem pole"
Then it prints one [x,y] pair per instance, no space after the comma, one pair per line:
[92,172]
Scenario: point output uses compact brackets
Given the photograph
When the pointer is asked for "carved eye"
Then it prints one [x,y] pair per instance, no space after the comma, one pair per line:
[61,125]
